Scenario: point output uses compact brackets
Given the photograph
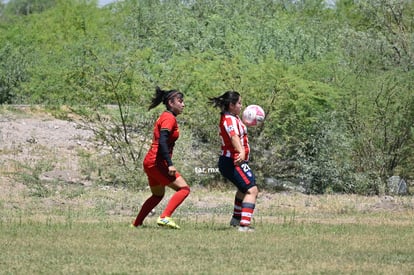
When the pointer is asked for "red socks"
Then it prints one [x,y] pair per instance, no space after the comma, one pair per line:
[175,201]
[153,201]
[148,205]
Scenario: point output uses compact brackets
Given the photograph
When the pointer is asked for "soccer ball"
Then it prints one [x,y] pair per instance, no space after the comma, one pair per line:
[253,115]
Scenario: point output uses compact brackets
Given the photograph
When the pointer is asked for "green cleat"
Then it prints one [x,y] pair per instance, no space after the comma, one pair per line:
[167,222]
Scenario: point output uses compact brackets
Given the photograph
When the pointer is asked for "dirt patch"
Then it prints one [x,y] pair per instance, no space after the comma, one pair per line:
[30,138]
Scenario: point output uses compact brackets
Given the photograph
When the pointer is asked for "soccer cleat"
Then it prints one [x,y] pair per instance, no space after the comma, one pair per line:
[246,229]
[167,222]
[234,222]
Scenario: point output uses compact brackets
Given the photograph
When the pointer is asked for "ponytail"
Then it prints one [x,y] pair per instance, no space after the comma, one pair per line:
[223,101]
[163,96]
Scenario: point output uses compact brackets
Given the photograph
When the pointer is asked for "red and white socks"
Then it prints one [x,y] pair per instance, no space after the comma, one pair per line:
[246,213]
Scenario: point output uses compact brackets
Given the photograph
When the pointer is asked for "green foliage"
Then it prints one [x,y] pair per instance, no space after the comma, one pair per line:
[30,176]
[26,7]
[379,98]
[326,157]
[13,72]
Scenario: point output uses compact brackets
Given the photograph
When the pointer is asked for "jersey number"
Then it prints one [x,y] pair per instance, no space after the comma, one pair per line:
[245,167]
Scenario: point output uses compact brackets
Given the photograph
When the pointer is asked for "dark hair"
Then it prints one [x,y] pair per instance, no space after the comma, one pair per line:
[223,101]
[164,96]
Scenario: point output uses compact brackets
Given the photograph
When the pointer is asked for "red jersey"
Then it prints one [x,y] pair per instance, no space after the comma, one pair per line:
[166,121]
[231,125]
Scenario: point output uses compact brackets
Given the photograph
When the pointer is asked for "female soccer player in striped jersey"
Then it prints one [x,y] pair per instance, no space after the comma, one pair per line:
[158,165]
[233,161]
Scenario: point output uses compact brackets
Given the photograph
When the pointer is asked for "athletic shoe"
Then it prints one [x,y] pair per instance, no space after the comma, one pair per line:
[167,222]
[234,222]
[246,229]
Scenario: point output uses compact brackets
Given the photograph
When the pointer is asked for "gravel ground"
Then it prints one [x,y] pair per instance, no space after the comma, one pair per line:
[31,137]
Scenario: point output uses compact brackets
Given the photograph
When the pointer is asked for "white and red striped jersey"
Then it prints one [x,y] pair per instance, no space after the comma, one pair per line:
[231,125]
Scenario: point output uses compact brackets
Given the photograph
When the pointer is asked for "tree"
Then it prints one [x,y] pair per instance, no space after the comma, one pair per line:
[380,102]
[26,7]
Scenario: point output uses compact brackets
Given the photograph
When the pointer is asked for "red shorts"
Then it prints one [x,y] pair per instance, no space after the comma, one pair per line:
[158,175]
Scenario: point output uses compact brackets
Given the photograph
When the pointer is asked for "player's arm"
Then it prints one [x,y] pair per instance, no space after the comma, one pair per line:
[163,146]
[164,151]
[166,126]
[236,142]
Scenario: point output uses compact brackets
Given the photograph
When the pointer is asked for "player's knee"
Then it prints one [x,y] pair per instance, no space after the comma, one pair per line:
[254,191]
[158,197]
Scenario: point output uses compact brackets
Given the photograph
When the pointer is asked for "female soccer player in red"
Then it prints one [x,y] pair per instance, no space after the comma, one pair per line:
[158,165]
[233,161]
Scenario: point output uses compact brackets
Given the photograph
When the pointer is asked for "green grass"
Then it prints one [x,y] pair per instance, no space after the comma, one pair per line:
[207,247]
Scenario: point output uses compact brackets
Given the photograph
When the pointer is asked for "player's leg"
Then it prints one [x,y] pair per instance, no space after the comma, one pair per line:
[158,192]
[248,205]
[157,179]
[246,183]
[237,209]
[182,190]
[243,179]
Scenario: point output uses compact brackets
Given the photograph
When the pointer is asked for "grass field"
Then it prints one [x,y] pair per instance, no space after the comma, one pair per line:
[295,234]
[54,222]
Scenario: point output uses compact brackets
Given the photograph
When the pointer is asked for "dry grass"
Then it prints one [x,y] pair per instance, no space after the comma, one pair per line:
[89,233]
